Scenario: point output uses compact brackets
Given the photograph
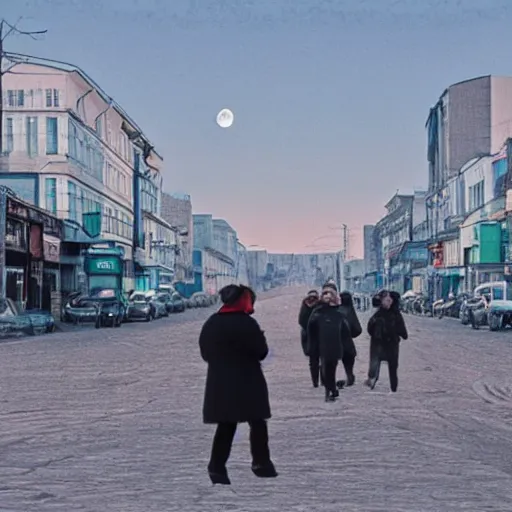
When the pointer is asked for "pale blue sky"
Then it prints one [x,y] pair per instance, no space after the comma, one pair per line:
[330,97]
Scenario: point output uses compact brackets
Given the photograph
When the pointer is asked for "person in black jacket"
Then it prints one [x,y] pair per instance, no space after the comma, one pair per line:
[386,328]
[306,308]
[327,328]
[233,345]
[349,347]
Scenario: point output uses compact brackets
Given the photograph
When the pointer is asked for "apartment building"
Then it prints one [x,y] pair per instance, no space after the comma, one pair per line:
[68,148]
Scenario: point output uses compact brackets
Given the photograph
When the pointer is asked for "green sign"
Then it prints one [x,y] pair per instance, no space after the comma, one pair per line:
[103,265]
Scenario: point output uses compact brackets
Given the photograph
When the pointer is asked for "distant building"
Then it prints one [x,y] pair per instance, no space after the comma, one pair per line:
[177,211]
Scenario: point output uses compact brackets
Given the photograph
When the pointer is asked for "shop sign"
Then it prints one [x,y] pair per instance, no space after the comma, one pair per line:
[104,265]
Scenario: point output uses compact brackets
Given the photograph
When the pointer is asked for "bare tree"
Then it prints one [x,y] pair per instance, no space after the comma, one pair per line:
[6,30]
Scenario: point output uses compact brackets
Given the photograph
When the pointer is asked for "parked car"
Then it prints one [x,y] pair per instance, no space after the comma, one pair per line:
[158,305]
[103,306]
[139,308]
[16,322]
[200,300]
[112,308]
[166,299]
[178,303]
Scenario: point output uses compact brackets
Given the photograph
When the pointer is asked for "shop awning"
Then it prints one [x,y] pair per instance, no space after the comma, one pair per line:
[51,248]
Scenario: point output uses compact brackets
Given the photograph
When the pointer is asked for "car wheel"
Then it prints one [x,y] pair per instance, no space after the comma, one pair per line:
[148,318]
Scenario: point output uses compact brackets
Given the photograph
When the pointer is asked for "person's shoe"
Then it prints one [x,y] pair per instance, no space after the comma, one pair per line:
[351,380]
[264,470]
[219,477]
[340,384]
[336,394]
[371,383]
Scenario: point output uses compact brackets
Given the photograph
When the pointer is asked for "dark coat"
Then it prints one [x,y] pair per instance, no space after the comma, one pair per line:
[355,329]
[386,328]
[234,345]
[328,329]
[304,314]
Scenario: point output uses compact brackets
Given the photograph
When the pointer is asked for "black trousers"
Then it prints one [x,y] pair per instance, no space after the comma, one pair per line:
[389,354]
[223,441]
[349,361]
[329,374]
[315,369]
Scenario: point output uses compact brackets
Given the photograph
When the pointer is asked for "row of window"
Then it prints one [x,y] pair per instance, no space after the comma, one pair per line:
[32,135]
[85,150]
[119,143]
[118,181]
[32,98]
[148,196]
[476,195]
[83,201]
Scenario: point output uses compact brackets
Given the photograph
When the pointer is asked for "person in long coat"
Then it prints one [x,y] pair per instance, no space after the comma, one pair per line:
[233,345]
[327,327]
[306,308]
[386,328]
[349,347]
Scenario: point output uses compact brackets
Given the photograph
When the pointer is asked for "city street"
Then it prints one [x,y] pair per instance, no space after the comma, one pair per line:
[110,420]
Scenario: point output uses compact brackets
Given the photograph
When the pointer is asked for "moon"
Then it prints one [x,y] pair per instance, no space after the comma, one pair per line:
[225,118]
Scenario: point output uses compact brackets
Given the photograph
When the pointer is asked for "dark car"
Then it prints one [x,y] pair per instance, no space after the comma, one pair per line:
[159,305]
[16,322]
[165,298]
[103,306]
[139,308]
[178,303]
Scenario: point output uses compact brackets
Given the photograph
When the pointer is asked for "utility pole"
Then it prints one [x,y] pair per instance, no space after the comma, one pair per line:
[6,29]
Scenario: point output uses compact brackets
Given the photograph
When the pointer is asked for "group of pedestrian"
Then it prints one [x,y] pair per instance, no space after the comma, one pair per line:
[329,326]
[233,345]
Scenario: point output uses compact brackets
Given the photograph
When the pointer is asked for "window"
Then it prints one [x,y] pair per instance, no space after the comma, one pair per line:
[99,126]
[15,98]
[9,135]
[476,195]
[52,136]
[32,146]
[51,194]
[72,200]
[52,97]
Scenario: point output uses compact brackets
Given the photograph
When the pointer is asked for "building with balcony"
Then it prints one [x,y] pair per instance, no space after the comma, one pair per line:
[70,149]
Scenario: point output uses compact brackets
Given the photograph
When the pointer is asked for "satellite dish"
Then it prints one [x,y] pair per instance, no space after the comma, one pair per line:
[225,118]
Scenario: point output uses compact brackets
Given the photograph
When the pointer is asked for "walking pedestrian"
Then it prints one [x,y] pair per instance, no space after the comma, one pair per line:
[327,328]
[349,347]
[386,328]
[307,306]
[233,345]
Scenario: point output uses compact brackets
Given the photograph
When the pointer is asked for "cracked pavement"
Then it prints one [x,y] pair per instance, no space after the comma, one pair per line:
[110,420]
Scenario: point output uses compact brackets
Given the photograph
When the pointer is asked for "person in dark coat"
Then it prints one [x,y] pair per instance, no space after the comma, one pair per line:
[327,328]
[349,347]
[386,328]
[306,308]
[233,345]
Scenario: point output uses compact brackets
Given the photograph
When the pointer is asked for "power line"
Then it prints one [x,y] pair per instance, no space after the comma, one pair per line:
[7,30]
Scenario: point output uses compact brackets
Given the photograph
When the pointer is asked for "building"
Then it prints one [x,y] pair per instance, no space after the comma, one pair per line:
[257,269]
[400,259]
[355,275]
[70,149]
[466,131]
[30,240]
[177,211]
[471,118]
[218,243]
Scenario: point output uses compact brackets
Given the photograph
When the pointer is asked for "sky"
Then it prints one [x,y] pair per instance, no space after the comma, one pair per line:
[330,96]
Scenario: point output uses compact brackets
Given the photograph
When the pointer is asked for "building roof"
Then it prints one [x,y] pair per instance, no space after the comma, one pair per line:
[20,58]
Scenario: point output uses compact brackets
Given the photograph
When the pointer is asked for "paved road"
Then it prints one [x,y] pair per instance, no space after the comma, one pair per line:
[110,420]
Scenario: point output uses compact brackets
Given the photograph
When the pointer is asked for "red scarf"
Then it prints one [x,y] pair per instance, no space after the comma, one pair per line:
[242,305]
